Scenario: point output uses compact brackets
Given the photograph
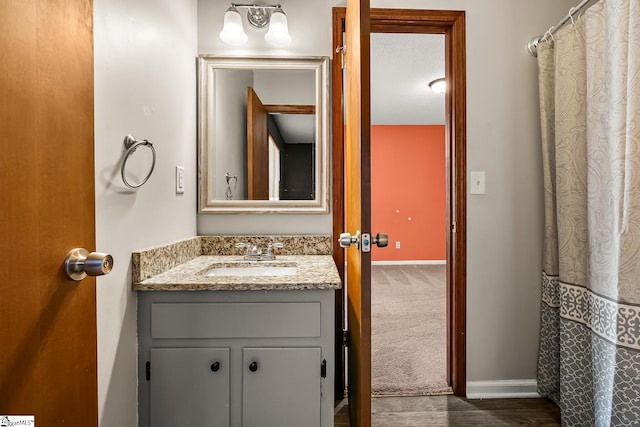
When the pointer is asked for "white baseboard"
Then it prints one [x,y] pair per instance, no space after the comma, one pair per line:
[410,262]
[502,389]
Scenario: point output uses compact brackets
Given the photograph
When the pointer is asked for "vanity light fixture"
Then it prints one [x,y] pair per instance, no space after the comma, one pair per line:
[438,85]
[259,16]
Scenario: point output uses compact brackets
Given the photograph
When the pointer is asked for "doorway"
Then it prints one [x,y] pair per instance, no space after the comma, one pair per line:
[408,202]
[451,24]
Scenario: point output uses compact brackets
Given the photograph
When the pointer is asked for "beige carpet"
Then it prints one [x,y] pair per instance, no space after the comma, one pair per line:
[408,330]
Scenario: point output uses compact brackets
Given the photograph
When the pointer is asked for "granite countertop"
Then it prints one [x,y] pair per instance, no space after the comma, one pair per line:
[312,272]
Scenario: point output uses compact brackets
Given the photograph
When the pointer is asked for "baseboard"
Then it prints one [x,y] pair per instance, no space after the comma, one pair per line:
[502,389]
[410,262]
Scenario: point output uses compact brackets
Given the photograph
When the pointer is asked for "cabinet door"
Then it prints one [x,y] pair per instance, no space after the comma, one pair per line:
[189,387]
[282,389]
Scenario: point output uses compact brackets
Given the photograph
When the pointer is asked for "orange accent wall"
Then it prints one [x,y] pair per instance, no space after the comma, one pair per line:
[408,191]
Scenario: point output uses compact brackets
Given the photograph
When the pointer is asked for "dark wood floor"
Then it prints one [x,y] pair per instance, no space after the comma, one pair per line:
[454,411]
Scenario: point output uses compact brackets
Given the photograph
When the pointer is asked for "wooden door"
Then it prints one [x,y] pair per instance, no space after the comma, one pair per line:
[257,148]
[357,210]
[47,322]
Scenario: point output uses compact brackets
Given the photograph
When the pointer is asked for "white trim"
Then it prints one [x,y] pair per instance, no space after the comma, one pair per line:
[502,389]
[410,262]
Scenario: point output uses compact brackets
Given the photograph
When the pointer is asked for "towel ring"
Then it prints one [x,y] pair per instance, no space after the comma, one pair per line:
[132,144]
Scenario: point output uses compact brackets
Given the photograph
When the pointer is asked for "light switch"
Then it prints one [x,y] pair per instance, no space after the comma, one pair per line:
[477,182]
[179,180]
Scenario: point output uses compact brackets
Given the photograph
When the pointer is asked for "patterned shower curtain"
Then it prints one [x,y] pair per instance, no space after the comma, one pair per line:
[589,357]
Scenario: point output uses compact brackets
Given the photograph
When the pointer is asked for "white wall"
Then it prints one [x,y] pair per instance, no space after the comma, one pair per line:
[287,87]
[144,85]
[505,225]
[229,130]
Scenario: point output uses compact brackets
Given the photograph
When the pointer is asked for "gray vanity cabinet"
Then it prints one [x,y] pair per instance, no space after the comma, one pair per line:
[236,358]
[277,378]
[189,385]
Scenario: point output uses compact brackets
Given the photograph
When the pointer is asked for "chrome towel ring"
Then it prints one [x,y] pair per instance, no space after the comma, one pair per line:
[132,144]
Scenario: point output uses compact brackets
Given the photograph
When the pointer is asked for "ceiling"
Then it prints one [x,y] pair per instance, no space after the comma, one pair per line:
[296,128]
[402,65]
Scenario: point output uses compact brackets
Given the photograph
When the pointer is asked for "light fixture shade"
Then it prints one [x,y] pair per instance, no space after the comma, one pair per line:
[278,34]
[233,33]
[438,85]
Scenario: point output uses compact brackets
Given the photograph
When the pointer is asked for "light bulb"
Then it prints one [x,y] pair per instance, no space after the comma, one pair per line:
[438,85]
[278,34]
[233,33]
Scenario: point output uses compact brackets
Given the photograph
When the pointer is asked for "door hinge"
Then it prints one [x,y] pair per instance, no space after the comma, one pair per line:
[342,50]
[323,368]
[147,370]
[453,227]
[345,338]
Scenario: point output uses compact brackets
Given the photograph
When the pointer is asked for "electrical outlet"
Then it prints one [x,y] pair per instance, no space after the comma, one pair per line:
[397,245]
[179,180]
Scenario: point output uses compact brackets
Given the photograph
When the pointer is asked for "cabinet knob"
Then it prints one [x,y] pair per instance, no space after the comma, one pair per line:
[215,366]
[253,366]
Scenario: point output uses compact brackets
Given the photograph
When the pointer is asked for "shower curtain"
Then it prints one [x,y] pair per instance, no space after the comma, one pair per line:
[589,357]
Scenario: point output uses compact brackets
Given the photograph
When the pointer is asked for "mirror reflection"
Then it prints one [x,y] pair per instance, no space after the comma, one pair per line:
[262,134]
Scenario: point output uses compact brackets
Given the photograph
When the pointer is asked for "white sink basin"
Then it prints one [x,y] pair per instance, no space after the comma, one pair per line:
[257,271]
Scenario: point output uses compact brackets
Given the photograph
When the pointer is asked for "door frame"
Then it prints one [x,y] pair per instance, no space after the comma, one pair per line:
[452,25]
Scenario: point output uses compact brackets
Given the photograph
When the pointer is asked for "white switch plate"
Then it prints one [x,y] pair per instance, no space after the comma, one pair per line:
[477,182]
[397,245]
[179,180]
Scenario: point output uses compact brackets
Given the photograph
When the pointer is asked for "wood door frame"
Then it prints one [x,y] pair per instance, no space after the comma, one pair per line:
[257,147]
[452,25]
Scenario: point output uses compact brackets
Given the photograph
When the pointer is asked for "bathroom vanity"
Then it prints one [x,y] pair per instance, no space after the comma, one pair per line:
[228,342]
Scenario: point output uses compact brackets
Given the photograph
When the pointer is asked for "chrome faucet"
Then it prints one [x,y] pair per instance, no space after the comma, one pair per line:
[256,253]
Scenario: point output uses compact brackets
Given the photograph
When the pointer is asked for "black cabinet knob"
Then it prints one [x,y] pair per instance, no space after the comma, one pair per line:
[215,366]
[253,366]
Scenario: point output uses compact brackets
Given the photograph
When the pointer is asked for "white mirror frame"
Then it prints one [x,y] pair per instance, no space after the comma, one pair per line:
[206,139]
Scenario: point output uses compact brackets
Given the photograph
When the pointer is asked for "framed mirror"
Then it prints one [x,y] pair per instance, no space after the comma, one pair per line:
[263,135]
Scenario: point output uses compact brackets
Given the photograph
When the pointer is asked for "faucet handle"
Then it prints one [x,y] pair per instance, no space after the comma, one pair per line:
[274,245]
[242,245]
[251,248]
[268,254]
